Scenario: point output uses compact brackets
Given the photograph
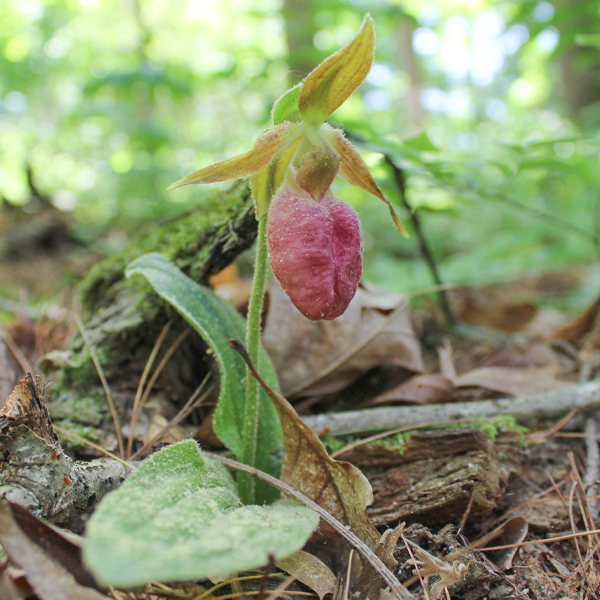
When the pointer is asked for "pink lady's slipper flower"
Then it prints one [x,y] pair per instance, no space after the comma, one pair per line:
[314,238]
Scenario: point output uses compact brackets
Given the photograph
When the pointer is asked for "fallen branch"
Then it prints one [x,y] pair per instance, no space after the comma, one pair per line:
[36,473]
[526,410]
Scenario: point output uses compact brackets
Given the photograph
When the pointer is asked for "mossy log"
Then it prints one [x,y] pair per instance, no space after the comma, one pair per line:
[123,318]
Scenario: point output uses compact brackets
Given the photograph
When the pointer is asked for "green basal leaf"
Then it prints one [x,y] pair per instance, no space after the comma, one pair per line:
[177,518]
[217,321]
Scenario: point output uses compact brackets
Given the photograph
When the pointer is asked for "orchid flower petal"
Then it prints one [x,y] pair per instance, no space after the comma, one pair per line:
[327,87]
[265,148]
[354,170]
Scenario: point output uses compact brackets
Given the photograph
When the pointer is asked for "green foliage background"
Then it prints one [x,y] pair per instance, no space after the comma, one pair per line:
[491,108]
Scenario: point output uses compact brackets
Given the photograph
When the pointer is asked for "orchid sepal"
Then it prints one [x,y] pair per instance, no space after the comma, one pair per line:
[270,143]
[354,170]
[328,86]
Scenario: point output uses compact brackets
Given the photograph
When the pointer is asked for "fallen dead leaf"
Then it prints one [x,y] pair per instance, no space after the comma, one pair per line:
[48,579]
[310,571]
[8,589]
[323,357]
[336,486]
[61,548]
[157,424]
[420,389]
[512,380]
[513,531]
[575,331]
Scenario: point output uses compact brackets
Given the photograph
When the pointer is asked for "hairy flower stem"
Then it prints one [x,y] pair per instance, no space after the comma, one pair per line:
[247,484]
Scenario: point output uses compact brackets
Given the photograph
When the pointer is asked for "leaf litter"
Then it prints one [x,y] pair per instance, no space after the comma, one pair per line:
[543,497]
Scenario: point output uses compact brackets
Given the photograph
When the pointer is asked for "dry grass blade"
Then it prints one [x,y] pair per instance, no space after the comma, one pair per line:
[109,398]
[284,585]
[161,365]
[92,445]
[208,593]
[574,573]
[399,592]
[193,402]
[16,351]
[142,382]
[558,538]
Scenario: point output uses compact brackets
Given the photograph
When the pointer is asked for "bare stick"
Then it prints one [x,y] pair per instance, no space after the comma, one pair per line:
[525,409]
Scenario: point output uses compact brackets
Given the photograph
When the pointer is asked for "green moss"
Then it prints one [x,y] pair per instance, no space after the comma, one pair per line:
[492,426]
[84,409]
[70,444]
[334,444]
[195,242]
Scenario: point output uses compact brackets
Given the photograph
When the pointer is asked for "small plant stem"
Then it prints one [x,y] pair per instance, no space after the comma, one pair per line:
[423,244]
[246,484]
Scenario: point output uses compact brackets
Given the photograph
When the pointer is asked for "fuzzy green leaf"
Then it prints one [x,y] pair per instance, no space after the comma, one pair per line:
[217,322]
[177,517]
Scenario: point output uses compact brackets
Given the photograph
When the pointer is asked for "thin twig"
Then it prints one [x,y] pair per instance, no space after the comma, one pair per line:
[593,463]
[107,391]
[526,409]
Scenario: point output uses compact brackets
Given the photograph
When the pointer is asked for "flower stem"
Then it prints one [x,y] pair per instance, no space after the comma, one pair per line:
[247,484]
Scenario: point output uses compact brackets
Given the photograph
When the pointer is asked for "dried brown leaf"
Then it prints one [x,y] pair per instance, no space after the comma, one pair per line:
[514,531]
[420,389]
[310,571]
[8,588]
[511,380]
[336,486]
[62,549]
[47,578]
[370,584]
[323,357]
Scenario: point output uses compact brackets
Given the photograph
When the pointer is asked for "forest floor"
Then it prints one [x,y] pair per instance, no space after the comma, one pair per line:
[489,453]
